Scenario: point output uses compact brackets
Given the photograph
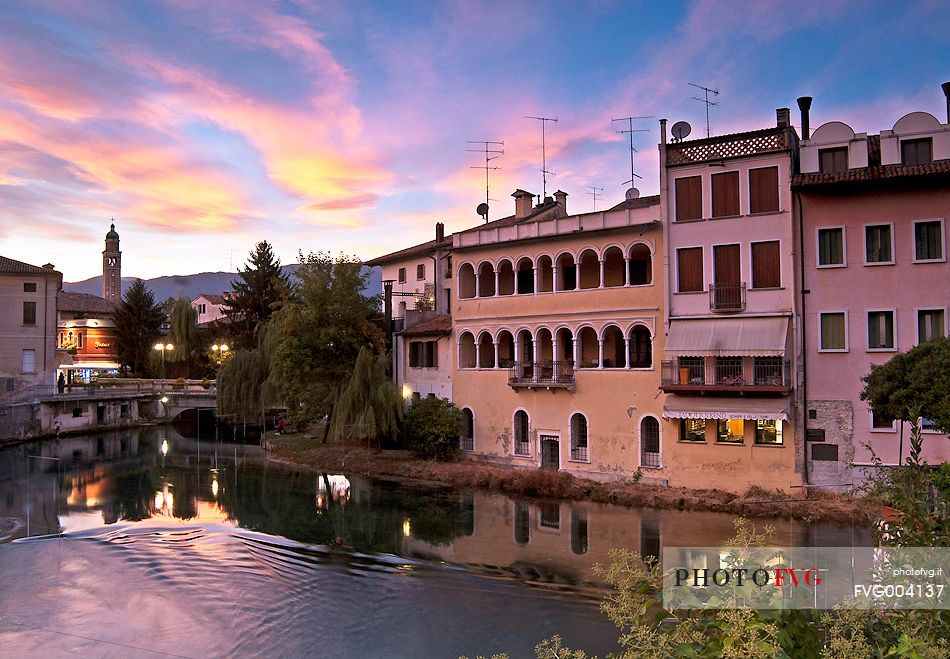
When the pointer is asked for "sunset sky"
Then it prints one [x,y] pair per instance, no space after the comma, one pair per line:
[204,127]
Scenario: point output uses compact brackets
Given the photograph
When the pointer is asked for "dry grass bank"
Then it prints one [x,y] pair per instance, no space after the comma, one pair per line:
[305,451]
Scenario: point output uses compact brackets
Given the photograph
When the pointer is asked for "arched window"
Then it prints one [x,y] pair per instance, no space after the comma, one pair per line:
[486,351]
[641,348]
[506,278]
[579,438]
[641,265]
[589,269]
[486,280]
[79,341]
[466,350]
[614,267]
[566,272]
[545,274]
[588,349]
[615,348]
[466,281]
[649,442]
[522,523]
[525,276]
[506,349]
[468,430]
[522,445]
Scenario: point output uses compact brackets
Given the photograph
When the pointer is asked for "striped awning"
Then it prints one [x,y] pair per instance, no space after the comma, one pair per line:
[728,337]
[678,407]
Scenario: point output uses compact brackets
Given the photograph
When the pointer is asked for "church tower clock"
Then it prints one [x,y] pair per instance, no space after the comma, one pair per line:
[112,268]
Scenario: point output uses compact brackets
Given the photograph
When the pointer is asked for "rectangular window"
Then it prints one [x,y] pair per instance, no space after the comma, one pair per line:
[432,354]
[763,190]
[689,198]
[880,330]
[402,275]
[929,425]
[415,356]
[882,422]
[917,152]
[730,431]
[766,272]
[28,364]
[831,246]
[928,240]
[725,194]
[421,271]
[29,313]
[877,244]
[692,430]
[930,325]
[833,161]
[834,335]
[690,269]
[768,431]
[29,287]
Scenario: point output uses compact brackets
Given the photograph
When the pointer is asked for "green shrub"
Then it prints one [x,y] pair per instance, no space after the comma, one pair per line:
[432,428]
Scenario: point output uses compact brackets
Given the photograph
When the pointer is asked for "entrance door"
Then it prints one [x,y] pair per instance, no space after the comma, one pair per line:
[727,275]
[550,452]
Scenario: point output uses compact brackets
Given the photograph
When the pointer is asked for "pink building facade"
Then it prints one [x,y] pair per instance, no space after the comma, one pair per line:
[873,211]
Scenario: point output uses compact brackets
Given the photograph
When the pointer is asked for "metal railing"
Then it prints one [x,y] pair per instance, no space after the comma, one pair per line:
[522,447]
[649,459]
[544,373]
[729,371]
[579,453]
[727,297]
[766,372]
[105,386]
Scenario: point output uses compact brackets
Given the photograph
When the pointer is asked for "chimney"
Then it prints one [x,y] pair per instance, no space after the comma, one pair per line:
[523,202]
[662,131]
[804,104]
[783,117]
[439,232]
[946,92]
[561,198]
[49,266]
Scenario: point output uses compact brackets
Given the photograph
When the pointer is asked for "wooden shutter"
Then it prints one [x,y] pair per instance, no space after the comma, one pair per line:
[726,265]
[414,354]
[432,354]
[766,271]
[689,198]
[690,269]
[763,190]
[725,194]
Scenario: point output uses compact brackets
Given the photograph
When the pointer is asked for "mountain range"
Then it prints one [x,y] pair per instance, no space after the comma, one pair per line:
[191,286]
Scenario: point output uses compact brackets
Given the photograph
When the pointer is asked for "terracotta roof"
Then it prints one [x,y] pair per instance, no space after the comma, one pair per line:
[441,325]
[408,252]
[213,299]
[83,303]
[535,213]
[940,168]
[19,267]
[639,202]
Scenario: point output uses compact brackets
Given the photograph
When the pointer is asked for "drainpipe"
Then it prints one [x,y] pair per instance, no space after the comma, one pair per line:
[804,325]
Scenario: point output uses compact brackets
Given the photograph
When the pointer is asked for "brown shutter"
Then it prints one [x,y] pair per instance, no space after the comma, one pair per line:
[689,198]
[726,265]
[725,194]
[763,190]
[766,272]
[690,269]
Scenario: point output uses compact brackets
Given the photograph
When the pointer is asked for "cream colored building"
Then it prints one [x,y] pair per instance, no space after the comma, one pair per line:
[27,324]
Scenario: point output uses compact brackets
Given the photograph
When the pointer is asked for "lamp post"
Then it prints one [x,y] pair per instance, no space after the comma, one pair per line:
[163,348]
[220,352]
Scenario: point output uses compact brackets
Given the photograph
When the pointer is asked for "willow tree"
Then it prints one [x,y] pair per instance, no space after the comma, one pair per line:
[186,338]
[244,390]
[369,407]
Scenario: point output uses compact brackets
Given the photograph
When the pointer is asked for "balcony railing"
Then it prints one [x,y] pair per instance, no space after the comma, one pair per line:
[766,375]
[579,453]
[541,374]
[727,297]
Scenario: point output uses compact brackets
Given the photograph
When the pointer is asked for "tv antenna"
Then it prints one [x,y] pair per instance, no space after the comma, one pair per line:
[544,160]
[629,132]
[594,192]
[492,152]
[707,91]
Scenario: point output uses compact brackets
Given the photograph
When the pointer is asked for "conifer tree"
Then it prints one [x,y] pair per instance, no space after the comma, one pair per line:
[138,321]
[259,290]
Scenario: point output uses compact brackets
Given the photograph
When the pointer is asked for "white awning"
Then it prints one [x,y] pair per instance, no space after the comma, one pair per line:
[96,366]
[775,409]
[728,337]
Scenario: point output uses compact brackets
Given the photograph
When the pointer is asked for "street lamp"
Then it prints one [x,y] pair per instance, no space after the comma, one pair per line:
[163,348]
[219,352]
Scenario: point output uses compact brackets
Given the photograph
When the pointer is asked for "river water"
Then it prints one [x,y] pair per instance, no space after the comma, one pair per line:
[147,543]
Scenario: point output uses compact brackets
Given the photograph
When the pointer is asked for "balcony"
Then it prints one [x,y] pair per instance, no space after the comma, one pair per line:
[546,374]
[768,375]
[727,298]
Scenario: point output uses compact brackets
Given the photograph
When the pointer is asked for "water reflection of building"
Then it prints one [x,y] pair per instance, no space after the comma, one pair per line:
[333,488]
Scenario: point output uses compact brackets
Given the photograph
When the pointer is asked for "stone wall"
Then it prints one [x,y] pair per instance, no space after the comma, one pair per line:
[836,418]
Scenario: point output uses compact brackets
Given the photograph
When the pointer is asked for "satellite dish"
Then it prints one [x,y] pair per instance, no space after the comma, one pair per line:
[482,209]
[681,129]
[632,193]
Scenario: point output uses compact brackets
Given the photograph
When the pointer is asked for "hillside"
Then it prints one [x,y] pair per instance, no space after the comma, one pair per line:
[191,286]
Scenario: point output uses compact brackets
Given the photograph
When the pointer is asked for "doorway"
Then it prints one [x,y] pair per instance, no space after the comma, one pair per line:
[550,452]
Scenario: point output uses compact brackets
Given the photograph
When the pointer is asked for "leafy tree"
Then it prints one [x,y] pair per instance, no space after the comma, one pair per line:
[369,407]
[433,427]
[322,332]
[138,321]
[244,390]
[185,337]
[918,378]
[259,290]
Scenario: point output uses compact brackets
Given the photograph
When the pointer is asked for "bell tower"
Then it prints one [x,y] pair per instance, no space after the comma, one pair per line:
[112,268]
